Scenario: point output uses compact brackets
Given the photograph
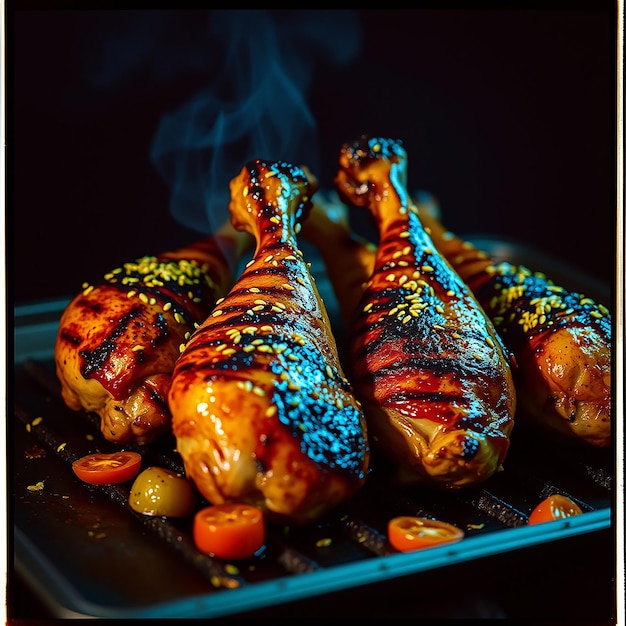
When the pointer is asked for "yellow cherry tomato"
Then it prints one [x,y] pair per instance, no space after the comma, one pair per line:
[161,492]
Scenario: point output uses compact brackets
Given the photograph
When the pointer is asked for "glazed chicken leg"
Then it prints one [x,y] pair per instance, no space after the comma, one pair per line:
[425,361]
[118,339]
[560,339]
[262,411]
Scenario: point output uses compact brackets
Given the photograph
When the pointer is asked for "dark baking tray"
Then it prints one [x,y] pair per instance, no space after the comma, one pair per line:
[85,553]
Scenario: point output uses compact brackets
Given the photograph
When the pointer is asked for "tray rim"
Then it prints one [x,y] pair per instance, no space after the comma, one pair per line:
[40,572]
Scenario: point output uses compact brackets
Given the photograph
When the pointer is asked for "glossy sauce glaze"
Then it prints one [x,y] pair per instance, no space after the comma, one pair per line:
[263,412]
[426,362]
[119,338]
[561,340]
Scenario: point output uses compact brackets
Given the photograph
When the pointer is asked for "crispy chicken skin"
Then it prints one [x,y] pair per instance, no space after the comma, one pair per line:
[118,339]
[425,361]
[262,411]
[561,340]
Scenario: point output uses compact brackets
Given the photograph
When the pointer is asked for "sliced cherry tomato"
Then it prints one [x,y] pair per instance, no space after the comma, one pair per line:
[229,531]
[552,508]
[407,533]
[107,469]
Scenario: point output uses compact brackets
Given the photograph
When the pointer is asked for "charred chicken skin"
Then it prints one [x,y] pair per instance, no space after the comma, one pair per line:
[425,361]
[560,340]
[262,411]
[118,339]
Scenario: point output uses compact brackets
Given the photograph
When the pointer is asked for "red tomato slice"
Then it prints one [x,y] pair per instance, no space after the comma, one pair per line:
[107,469]
[229,531]
[407,533]
[553,508]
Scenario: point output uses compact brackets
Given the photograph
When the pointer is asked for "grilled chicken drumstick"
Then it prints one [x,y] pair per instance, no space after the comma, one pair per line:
[118,339]
[262,411]
[425,361]
[560,339]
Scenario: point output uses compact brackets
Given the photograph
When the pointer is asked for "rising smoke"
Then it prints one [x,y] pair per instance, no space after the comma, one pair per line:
[254,104]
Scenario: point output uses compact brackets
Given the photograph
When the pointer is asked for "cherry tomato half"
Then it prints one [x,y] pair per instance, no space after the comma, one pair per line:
[229,531]
[107,469]
[553,508]
[407,533]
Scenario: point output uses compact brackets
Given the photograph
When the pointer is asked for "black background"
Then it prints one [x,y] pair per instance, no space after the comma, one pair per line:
[507,117]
